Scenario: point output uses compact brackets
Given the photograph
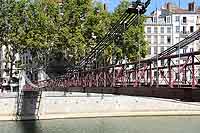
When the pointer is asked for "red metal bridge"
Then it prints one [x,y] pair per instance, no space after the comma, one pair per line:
[141,78]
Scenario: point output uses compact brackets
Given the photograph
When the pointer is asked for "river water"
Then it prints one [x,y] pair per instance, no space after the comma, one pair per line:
[171,124]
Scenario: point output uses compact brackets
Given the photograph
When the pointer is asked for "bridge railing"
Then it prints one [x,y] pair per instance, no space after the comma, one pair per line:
[125,75]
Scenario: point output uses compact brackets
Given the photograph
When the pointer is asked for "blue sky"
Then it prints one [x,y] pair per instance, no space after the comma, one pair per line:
[154,3]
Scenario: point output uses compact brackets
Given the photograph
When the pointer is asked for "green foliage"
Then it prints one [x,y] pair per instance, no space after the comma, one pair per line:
[73,28]
[132,41]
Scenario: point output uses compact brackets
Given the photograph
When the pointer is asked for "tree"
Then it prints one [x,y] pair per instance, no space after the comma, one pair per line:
[48,28]
[127,45]
[7,28]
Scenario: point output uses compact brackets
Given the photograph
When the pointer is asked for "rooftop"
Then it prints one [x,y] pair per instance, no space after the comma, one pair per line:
[170,8]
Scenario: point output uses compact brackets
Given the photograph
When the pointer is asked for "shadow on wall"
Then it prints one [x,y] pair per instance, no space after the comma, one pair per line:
[28,103]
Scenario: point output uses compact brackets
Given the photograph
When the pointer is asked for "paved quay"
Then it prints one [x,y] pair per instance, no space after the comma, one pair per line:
[77,105]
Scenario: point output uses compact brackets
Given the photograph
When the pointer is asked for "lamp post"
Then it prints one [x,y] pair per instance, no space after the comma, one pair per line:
[139,7]
[94,38]
[179,52]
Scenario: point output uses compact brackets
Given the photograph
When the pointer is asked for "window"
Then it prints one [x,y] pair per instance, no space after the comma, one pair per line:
[155,50]
[26,59]
[161,48]
[177,40]
[177,18]
[168,19]
[184,20]
[168,29]
[192,20]
[155,39]
[184,29]
[149,38]
[162,62]
[168,39]
[155,19]
[162,38]
[162,30]
[184,50]
[177,29]
[191,28]
[155,29]
[191,49]
[148,29]
[177,52]
[7,73]
[149,50]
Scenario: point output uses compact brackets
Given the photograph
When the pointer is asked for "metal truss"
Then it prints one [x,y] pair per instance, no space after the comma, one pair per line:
[126,75]
[141,73]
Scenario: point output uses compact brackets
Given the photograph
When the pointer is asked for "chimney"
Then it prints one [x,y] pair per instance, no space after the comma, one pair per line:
[191,6]
[104,7]
[169,6]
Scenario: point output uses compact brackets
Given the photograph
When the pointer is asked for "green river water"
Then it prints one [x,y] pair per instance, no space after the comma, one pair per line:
[171,124]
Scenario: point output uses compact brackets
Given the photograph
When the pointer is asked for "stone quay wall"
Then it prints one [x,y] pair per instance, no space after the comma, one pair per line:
[75,105]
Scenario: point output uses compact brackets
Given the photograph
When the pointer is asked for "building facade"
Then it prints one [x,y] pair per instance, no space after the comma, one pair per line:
[168,26]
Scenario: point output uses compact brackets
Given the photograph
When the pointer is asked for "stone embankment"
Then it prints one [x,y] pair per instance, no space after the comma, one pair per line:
[75,105]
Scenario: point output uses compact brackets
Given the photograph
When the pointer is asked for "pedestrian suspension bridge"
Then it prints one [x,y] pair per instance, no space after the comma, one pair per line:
[141,78]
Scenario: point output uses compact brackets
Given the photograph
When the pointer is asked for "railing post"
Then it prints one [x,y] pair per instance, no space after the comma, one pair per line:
[114,80]
[185,78]
[124,76]
[97,79]
[90,78]
[151,74]
[170,72]
[193,72]
[145,74]
[104,77]
[136,76]
[139,75]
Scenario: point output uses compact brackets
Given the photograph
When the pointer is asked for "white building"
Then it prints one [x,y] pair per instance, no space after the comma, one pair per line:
[169,25]
[6,66]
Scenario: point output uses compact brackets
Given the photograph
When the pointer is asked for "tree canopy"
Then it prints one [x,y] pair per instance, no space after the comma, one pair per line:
[71,27]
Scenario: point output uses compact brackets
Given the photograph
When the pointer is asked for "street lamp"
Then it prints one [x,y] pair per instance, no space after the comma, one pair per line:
[179,52]
[139,7]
